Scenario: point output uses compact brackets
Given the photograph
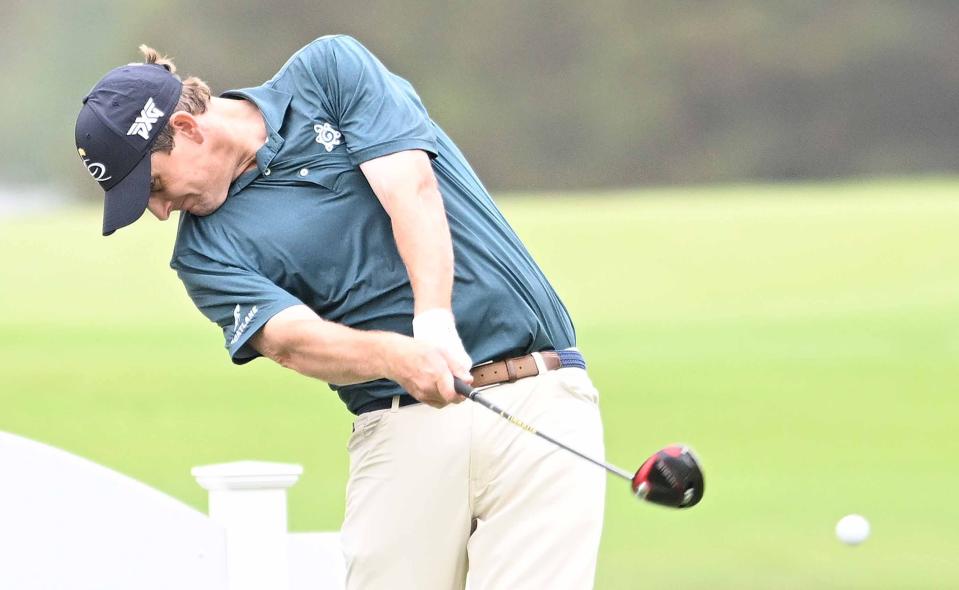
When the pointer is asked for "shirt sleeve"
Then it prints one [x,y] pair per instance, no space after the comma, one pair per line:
[378,112]
[239,301]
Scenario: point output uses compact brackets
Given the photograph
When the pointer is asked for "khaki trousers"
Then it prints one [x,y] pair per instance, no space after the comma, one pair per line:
[434,494]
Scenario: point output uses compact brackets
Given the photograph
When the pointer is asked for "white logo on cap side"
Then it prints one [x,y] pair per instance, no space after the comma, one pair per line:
[144,123]
[97,170]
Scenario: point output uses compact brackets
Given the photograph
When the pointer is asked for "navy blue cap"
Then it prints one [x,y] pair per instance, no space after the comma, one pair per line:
[117,126]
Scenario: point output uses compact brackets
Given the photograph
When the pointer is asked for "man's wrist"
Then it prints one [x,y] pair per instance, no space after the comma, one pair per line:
[385,347]
[436,324]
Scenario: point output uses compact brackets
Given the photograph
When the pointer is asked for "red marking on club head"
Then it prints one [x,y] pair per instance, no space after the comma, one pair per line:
[674,450]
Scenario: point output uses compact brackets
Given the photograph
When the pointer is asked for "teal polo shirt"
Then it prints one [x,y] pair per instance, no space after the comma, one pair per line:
[304,226]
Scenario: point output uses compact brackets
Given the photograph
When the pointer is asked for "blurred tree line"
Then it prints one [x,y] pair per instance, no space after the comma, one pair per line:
[547,94]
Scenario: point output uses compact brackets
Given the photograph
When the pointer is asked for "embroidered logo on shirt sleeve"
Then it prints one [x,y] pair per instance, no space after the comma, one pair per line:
[240,327]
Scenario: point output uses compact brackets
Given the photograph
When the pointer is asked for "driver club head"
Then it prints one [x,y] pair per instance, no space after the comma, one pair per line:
[672,477]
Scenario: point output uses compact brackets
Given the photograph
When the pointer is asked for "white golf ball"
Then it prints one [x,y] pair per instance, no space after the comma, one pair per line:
[852,529]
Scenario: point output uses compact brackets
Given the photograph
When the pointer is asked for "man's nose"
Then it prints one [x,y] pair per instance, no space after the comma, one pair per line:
[159,208]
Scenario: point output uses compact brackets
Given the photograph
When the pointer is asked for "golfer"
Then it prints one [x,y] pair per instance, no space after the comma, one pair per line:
[328,224]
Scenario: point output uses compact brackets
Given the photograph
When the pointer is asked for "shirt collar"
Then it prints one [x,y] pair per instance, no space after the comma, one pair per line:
[273,105]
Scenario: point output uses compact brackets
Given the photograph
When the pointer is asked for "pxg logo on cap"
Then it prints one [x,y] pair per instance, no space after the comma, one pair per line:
[118,124]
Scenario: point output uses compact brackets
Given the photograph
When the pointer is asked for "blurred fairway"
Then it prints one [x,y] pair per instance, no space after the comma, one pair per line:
[804,339]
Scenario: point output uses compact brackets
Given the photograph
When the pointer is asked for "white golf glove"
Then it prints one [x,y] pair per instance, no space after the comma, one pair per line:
[438,327]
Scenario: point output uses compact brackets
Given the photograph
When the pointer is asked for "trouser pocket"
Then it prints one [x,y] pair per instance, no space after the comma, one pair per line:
[364,426]
[578,384]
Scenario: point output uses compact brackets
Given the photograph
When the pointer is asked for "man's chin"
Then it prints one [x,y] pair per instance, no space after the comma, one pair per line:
[206,208]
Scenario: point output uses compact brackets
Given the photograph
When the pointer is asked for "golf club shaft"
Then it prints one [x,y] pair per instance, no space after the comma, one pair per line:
[466,391]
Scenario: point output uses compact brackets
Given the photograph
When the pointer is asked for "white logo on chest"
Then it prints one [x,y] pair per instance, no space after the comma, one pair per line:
[328,136]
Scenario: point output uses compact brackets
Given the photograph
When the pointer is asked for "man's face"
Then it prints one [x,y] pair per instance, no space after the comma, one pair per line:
[193,177]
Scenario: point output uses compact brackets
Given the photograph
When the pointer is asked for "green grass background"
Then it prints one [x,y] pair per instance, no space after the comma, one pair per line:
[803,338]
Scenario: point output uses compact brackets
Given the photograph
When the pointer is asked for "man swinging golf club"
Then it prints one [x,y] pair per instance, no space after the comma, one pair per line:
[328,224]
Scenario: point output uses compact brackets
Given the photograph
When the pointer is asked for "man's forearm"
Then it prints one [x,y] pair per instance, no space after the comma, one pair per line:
[300,340]
[406,186]
[325,350]
[423,239]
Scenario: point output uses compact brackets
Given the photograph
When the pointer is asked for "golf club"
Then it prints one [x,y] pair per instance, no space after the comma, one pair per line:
[670,477]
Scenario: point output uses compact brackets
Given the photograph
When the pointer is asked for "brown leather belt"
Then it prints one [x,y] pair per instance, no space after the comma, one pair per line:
[510,370]
[506,371]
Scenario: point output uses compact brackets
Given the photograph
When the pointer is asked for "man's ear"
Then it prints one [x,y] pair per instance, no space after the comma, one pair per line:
[186,126]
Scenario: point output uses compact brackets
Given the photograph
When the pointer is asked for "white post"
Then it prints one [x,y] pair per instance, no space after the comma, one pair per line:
[248,498]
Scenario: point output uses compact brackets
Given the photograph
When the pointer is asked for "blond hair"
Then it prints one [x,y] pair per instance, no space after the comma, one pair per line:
[194,98]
